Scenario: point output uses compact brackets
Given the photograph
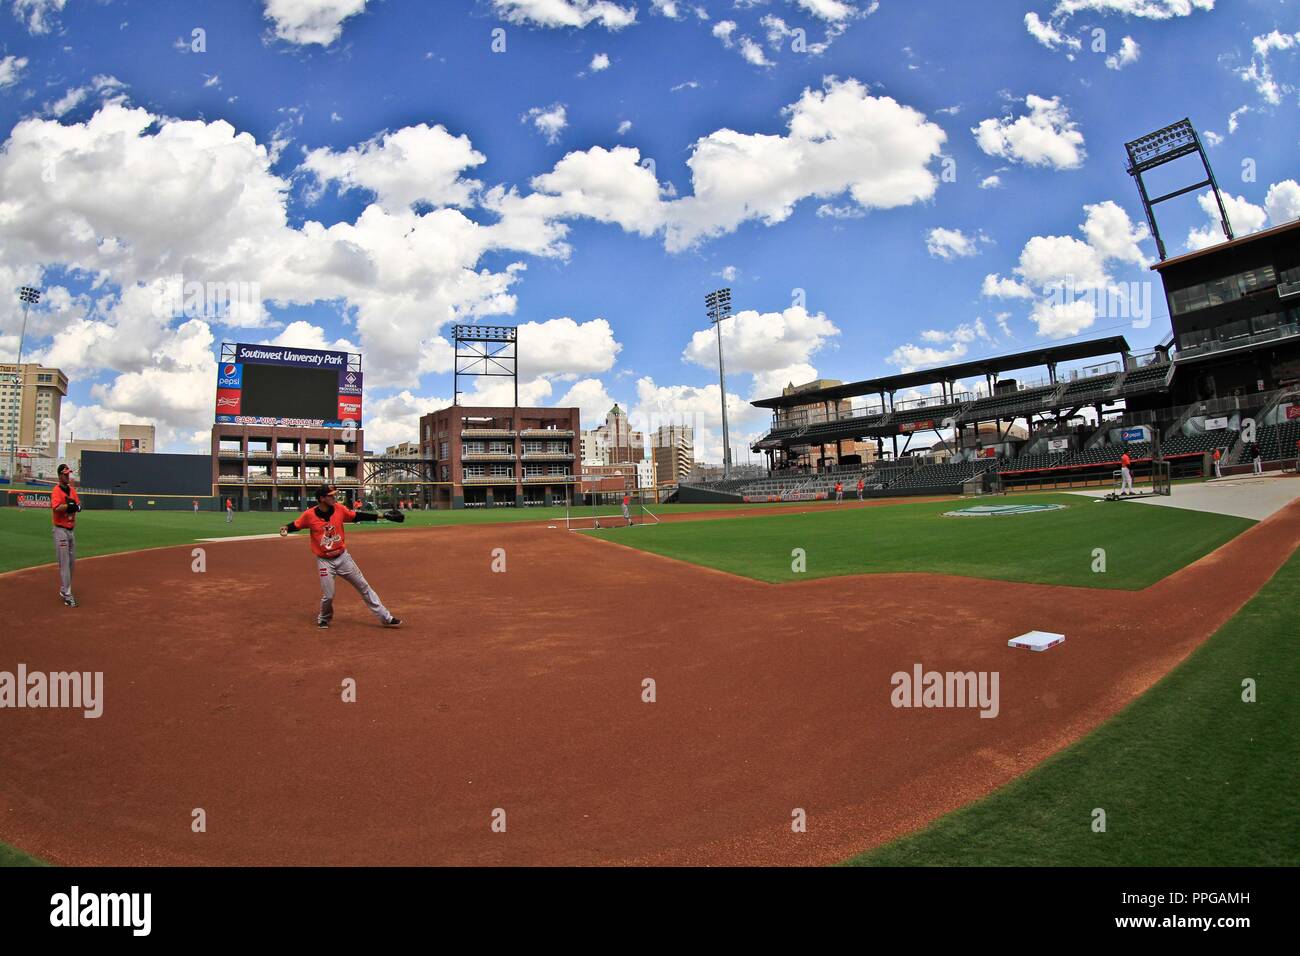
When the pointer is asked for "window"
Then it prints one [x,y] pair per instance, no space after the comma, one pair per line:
[503,471]
[532,447]
[556,447]
[472,448]
[533,471]
[558,470]
[502,448]
[442,450]
[475,471]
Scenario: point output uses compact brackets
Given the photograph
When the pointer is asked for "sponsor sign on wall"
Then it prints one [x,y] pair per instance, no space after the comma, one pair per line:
[1292,412]
[32,500]
[1133,434]
[1058,444]
[916,426]
[1214,424]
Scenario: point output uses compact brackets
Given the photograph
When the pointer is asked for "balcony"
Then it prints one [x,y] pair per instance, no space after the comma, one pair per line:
[488,480]
[230,453]
[486,433]
[261,480]
[548,456]
[346,456]
[264,455]
[550,479]
[546,433]
[487,456]
[288,454]
[346,481]
[316,456]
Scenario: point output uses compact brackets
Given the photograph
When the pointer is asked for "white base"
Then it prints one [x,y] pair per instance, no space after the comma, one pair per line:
[1037,640]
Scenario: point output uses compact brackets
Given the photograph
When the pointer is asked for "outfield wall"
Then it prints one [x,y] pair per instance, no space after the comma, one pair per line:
[128,473]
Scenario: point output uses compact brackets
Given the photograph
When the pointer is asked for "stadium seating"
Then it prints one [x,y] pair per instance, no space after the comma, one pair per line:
[1008,404]
[1278,441]
[1035,462]
[1088,389]
[1205,441]
[1105,454]
[1146,378]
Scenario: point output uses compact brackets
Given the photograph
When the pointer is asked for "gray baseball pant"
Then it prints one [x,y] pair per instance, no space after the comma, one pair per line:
[65,549]
[230,516]
[342,566]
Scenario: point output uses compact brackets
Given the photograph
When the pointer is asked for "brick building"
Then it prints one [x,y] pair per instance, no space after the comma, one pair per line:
[501,457]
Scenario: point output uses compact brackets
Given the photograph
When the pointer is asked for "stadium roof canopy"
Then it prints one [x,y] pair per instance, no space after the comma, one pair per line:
[1048,355]
[1220,247]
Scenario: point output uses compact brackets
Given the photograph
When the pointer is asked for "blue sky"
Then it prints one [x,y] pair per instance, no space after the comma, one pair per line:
[864,188]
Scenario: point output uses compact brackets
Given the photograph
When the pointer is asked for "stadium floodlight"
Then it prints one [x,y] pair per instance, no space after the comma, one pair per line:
[29,297]
[1164,146]
[718,308]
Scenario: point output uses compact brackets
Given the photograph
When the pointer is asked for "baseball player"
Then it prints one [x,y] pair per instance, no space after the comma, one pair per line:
[130,504]
[230,511]
[1256,459]
[1126,482]
[839,491]
[627,509]
[862,486]
[325,525]
[64,505]
[1218,471]
[196,505]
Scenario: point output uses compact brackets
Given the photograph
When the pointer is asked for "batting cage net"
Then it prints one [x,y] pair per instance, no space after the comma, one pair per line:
[593,507]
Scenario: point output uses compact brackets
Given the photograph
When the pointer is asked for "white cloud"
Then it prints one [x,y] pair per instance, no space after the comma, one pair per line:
[701,408]
[1212,138]
[950,244]
[550,121]
[591,396]
[667,8]
[1056,269]
[1048,35]
[829,211]
[835,11]
[1282,204]
[41,16]
[687,85]
[566,13]
[728,273]
[109,88]
[396,418]
[1148,9]
[991,182]
[767,345]
[11,68]
[910,357]
[723,30]
[1234,119]
[752,52]
[1128,53]
[1260,71]
[840,139]
[599,62]
[624,127]
[413,164]
[1046,136]
[305,22]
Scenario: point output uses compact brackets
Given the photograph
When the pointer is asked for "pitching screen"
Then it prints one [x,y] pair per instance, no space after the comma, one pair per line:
[283,391]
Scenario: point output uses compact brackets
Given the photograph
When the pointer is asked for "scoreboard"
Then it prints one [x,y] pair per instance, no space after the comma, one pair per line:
[281,385]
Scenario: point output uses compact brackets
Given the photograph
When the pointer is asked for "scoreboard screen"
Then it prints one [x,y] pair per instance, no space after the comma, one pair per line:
[283,391]
[282,385]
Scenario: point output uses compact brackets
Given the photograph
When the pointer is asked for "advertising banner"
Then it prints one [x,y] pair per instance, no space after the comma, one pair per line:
[1214,424]
[1058,444]
[130,444]
[1292,412]
[916,426]
[227,403]
[230,376]
[349,409]
[30,499]
[349,383]
[283,355]
[1133,434]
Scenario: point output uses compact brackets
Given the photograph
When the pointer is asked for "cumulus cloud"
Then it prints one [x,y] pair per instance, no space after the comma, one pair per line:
[599,62]
[1260,71]
[774,347]
[950,244]
[566,13]
[1053,269]
[307,22]
[1128,53]
[991,182]
[413,164]
[1281,205]
[1048,35]
[910,357]
[40,16]
[701,408]
[11,69]
[1045,136]
[550,121]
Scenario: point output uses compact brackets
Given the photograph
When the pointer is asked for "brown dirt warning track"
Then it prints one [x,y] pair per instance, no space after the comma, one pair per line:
[522,691]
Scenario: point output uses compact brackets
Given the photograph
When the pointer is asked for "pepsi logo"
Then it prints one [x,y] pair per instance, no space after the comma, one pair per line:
[229,370]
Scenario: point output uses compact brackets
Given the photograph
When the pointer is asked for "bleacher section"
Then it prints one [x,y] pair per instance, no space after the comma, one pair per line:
[1278,441]
[1007,404]
[944,476]
[1145,379]
[1205,441]
[1110,453]
[1087,390]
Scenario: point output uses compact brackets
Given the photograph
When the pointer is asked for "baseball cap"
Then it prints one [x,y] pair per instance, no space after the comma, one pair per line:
[323,490]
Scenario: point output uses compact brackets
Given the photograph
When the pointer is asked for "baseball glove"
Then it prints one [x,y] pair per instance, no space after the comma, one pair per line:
[392,514]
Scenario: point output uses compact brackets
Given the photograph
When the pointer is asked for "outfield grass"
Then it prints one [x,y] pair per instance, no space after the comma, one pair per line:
[1188,774]
[1142,544]
[25,538]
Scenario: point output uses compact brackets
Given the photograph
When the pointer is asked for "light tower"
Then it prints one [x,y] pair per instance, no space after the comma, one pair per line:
[29,297]
[719,308]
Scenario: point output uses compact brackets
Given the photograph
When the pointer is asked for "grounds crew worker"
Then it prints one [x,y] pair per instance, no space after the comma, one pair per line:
[64,504]
[325,524]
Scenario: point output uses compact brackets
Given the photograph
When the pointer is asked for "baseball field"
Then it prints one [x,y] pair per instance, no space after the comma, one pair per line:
[720,687]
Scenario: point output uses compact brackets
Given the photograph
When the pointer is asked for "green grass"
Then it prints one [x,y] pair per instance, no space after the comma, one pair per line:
[25,538]
[1188,774]
[11,857]
[1142,543]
